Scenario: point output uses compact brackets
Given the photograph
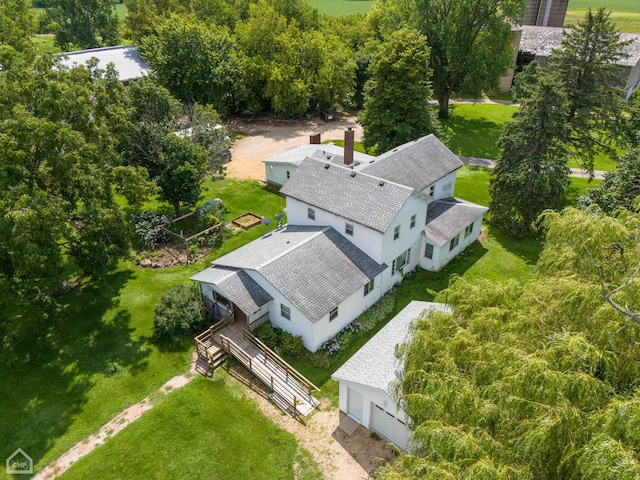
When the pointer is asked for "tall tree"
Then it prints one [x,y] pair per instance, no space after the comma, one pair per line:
[396,108]
[195,62]
[57,160]
[469,40]
[17,23]
[587,65]
[84,23]
[528,381]
[531,174]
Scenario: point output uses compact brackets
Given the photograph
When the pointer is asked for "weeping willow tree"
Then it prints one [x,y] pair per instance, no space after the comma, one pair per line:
[536,380]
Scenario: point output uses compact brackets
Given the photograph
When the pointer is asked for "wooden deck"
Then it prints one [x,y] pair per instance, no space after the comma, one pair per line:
[291,391]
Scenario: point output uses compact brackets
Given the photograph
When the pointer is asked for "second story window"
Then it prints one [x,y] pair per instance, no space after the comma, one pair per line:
[348,229]
[285,311]
[333,314]
[413,221]
[396,232]
[311,213]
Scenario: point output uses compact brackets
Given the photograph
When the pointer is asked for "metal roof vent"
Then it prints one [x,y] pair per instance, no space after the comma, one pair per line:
[381,184]
[326,166]
[353,174]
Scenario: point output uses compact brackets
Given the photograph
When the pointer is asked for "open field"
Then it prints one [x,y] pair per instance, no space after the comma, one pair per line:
[624,13]
[335,8]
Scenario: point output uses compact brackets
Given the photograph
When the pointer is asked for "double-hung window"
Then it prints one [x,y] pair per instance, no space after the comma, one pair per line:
[413,221]
[368,287]
[285,311]
[333,314]
[348,229]
[454,242]
[428,251]
[311,213]
[400,262]
[468,230]
[396,232]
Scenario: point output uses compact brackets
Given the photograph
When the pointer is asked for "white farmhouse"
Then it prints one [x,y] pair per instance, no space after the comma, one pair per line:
[353,231]
[366,379]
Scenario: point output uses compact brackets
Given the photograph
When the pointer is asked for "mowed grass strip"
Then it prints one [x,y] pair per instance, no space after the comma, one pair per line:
[208,429]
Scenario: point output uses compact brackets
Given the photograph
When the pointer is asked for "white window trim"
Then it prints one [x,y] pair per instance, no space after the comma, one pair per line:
[285,311]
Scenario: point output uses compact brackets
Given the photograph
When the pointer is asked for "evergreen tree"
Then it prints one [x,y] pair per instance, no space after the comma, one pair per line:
[396,106]
[531,174]
[587,66]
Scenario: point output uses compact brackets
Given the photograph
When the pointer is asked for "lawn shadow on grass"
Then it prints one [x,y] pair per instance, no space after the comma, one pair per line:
[56,362]
[472,137]
[526,248]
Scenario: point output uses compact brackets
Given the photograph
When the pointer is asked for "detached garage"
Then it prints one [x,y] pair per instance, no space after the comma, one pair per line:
[366,379]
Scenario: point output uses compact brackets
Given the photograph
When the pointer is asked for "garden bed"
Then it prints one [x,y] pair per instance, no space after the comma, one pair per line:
[247,220]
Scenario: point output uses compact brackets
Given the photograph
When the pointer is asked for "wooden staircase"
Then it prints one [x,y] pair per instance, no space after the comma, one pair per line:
[290,390]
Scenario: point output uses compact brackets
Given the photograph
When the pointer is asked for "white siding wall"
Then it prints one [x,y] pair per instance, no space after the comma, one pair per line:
[365,238]
[409,238]
[348,311]
[314,335]
[443,188]
[279,175]
[442,255]
[370,395]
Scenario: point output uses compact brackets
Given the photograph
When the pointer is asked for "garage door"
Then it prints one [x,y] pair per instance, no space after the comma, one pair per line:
[389,427]
[354,407]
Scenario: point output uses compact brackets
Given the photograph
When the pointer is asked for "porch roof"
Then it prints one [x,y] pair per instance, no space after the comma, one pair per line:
[449,216]
[237,286]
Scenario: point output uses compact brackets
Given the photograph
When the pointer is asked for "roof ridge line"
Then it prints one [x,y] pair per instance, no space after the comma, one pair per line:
[293,247]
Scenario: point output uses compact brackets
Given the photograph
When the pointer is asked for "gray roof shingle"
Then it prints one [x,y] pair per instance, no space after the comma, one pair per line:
[541,41]
[328,151]
[126,60]
[449,216]
[375,364]
[351,194]
[416,164]
[237,286]
[315,268]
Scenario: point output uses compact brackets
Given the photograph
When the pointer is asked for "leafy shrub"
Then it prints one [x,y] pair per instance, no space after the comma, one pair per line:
[208,215]
[180,312]
[378,312]
[291,345]
[147,225]
[281,342]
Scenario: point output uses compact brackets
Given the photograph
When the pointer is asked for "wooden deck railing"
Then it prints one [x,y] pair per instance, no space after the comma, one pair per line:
[290,400]
[204,341]
[256,324]
[275,358]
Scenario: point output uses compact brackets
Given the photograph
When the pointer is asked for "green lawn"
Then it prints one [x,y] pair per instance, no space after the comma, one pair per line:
[208,429]
[473,130]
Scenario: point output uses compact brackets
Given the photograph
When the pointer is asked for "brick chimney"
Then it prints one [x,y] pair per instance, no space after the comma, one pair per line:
[314,139]
[349,137]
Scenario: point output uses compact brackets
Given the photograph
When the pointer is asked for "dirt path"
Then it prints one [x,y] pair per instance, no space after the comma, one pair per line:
[339,455]
[117,424]
[268,137]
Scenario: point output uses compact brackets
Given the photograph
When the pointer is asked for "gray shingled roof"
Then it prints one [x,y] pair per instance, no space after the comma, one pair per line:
[315,268]
[416,164]
[359,197]
[375,364]
[126,60]
[327,151]
[449,216]
[541,41]
[237,286]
